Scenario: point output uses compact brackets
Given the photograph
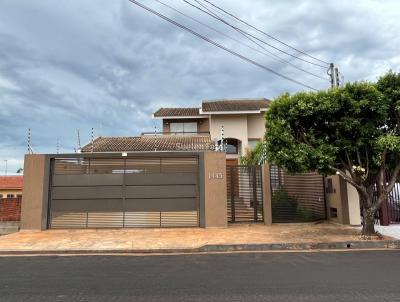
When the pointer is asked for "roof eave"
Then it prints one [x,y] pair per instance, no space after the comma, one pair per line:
[234,111]
[178,117]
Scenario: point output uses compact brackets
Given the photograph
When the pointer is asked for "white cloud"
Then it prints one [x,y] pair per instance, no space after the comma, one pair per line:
[77,65]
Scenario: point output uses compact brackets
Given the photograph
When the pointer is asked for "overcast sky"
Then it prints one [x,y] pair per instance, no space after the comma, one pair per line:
[77,64]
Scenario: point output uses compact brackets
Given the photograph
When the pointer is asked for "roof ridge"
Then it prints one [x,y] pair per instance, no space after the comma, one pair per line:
[235,100]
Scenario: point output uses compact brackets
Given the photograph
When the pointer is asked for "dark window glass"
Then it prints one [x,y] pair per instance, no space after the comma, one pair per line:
[231,146]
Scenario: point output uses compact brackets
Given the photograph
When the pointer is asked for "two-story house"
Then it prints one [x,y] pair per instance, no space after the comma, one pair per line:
[240,122]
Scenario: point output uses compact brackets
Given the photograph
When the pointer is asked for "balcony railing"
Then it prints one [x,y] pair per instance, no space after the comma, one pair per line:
[201,133]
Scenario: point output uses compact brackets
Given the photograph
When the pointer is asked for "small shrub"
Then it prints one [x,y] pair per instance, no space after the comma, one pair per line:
[304,214]
[283,206]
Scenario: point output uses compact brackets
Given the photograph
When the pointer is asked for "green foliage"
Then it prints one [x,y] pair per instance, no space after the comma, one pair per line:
[280,197]
[353,129]
[252,157]
[323,130]
[304,215]
[284,207]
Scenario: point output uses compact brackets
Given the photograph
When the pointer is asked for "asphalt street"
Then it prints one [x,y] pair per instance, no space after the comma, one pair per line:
[312,276]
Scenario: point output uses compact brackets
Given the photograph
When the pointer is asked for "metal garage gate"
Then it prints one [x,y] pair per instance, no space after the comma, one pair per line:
[124,192]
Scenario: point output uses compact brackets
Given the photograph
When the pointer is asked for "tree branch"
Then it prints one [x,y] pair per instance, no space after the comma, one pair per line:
[397,117]
[395,175]
[358,157]
[383,194]
[348,179]
[367,160]
[348,159]
[347,167]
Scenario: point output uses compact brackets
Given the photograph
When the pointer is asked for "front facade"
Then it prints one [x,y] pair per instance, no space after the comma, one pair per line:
[177,177]
[173,178]
[240,123]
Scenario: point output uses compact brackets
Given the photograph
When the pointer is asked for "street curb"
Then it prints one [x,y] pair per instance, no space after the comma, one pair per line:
[384,244]
[346,245]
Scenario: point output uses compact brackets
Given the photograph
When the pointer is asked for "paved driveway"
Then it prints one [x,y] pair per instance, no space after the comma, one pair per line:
[325,276]
[144,239]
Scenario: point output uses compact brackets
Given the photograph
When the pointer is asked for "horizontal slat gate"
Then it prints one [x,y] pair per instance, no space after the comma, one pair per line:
[297,197]
[244,193]
[124,192]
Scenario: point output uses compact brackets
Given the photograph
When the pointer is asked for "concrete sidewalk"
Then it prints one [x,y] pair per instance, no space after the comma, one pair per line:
[235,237]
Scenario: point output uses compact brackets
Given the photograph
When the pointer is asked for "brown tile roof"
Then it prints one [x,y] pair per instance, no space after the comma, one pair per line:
[235,105]
[216,105]
[11,182]
[149,143]
[176,112]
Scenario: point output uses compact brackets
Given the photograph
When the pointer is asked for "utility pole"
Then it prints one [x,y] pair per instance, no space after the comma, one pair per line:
[334,74]
[6,161]
[79,140]
[331,73]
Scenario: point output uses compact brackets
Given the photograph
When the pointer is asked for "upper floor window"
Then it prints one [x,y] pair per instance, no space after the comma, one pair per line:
[186,127]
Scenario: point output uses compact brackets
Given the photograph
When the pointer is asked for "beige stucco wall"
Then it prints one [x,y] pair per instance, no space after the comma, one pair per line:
[240,126]
[215,202]
[235,126]
[255,126]
[336,200]
[354,205]
[345,200]
[34,196]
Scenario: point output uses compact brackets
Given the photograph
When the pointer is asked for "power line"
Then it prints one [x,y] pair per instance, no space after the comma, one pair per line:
[248,34]
[269,53]
[264,33]
[219,45]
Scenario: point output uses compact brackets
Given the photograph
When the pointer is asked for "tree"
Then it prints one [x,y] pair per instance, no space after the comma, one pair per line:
[353,131]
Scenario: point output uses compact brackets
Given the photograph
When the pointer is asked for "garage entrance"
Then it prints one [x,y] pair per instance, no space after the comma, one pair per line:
[124,192]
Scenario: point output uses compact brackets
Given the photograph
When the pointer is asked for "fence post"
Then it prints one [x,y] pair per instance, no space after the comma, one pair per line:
[232,185]
[267,198]
[384,217]
[255,201]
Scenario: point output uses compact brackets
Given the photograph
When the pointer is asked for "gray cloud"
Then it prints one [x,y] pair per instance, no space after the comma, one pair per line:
[109,64]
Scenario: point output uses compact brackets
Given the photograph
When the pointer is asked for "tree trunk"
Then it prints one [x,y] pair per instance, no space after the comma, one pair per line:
[368,228]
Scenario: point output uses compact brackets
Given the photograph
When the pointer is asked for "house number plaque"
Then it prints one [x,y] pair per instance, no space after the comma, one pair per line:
[215,175]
